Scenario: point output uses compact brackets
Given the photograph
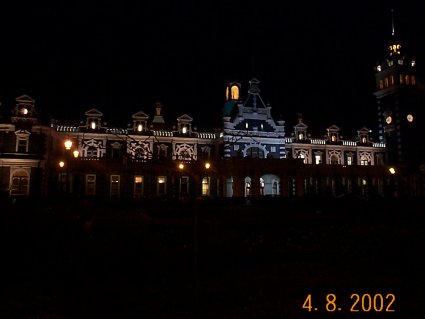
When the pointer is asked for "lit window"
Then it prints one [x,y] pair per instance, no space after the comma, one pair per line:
[407,78]
[386,82]
[392,79]
[115,186]
[205,186]
[333,138]
[161,186]
[413,79]
[301,136]
[234,92]
[381,84]
[227,93]
[19,183]
[349,160]
[24,111]
[413,63]
[138,186]
[184,130]
[246,125]
[410,117]
[318,159]
[388,119]
[378,68]
[93,125]
[139,127]
[401,78]
[364,140]
[364,161]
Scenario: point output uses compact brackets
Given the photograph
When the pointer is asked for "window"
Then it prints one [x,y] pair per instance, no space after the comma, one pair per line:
[115,186]
[392,79]
[364,140]
[92,152]
[381,84]
[162,151]
[206,186]
[317,159]
[184,185]
[19,183]
[333,138]
[401,78]
[364,161]
[261,187]
[255,152]
[22,145]
[273,148]
[334,159]
[413,79]
[90,184]
[301,136]
[386,82]
[349,160]
[407,79]
[161,185]
[138,186]
[234,91]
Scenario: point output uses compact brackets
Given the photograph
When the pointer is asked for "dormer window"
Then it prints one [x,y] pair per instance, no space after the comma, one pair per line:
[184,129]
[333,138]
[364,140]
[22,139]
[246,125]
[378,68]
[301,136]
[24,111]
[93,125]
[139,128]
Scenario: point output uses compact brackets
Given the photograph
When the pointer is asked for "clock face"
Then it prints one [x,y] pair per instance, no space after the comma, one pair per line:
[388,119]
[410,118]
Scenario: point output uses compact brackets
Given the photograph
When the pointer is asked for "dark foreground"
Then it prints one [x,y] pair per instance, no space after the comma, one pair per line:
[255,260]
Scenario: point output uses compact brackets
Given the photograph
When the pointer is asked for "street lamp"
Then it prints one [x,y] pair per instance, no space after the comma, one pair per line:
[67,144]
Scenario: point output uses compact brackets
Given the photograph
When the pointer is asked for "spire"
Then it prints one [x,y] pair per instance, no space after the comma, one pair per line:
[392,23]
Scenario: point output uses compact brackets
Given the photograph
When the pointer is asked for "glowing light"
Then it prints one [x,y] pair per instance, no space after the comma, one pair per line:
[413,63]
[391,170]
[379,68]
[76,153]
[184,130]
[24,111]
[234,91]
[207,165]
[388,119]
[139,127]
[61,164]
[68,144]
[181,166]
[93,125]
[410,117]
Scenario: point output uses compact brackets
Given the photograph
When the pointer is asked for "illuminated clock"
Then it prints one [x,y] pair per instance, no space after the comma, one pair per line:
[409,117]
[388,119]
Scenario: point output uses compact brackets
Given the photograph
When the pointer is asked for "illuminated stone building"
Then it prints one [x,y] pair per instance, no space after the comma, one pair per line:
[250,154]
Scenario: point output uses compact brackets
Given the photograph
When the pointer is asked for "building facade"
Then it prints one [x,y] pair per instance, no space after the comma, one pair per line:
[250,154]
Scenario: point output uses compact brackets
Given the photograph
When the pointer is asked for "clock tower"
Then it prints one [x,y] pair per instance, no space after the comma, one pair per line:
[400,116]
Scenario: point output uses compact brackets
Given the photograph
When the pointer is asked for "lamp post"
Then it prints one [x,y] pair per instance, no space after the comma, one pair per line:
[66,163]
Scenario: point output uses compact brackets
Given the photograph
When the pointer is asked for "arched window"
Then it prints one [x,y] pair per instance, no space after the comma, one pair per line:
[334,160]
[19,183]
[234,91]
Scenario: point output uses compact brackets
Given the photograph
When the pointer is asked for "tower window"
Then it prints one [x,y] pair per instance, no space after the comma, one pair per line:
[234,91]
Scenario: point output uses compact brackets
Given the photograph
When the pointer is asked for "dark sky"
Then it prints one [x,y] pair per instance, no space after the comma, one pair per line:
[315,58]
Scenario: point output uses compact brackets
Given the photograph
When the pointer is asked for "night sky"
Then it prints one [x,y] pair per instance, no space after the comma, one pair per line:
[312,58]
